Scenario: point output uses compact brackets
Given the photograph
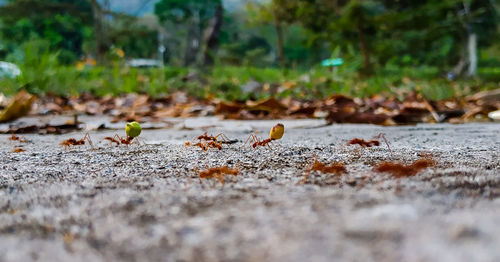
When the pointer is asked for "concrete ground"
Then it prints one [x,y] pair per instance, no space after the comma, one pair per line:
[146,202]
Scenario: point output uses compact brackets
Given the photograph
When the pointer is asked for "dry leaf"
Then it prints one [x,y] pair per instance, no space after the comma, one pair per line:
[19,106]
[227,108]
[485,97]
[268,105]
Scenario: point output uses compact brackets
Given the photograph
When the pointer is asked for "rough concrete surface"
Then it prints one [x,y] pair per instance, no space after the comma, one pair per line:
[146,202]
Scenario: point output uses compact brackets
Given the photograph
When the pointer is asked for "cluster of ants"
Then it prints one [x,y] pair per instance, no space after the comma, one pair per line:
[206,141]
[21,139]
[132,129]
[397,169]
[115,139]
[219,173]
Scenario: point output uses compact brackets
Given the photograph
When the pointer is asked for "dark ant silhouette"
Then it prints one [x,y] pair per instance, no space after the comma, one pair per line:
[21,139]
[369,143]
[75,142]
[219,173]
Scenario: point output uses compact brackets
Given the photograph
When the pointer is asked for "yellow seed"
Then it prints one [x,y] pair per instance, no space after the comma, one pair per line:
[277,132]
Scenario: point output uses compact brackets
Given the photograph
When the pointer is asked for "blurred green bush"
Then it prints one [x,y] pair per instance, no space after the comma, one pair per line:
[42,73]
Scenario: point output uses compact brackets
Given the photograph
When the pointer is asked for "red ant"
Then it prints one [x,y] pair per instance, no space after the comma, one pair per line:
[212,141]
[120,140]
[206,137]
[275,134]
[206,146]
[219,173]
[215,145]
[401,170]
[200,144]
[337,168]
[257,142]
[112,140]
[74,142]
[13,137]
[126,141]
[369,143]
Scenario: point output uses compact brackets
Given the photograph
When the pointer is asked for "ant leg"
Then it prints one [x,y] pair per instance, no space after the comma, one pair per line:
[197,137]
[255,138]
[201,183]
[381,135]
[270,147]
[304,180]
[136,140]
[87,136]
[114,141]
[314,159]
[224,138]
[120,139]
[117,139]
[256,141]
[221,135]
[220,177]
[246,141]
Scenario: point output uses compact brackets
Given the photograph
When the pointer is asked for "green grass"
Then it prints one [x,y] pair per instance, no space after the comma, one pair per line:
[226,82]
[43,74]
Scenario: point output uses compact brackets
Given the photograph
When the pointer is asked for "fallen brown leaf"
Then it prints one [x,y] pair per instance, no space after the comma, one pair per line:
[268,105]
[19,106]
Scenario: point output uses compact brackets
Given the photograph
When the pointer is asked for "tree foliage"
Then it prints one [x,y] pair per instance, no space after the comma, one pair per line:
[182,11]
[368,34]
[406,31]
[62,22]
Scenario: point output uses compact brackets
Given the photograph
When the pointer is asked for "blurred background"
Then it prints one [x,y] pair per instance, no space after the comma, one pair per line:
[240,49]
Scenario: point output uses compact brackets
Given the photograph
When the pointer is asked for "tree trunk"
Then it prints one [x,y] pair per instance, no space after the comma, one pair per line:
[458,69]
[468,58]
[101,46]
[161,48]
[472,54]
[281,44]
[470,44]
[211,36]
[364,50]
[192,44]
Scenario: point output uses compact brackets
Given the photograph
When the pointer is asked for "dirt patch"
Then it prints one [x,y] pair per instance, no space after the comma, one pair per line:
[147,202]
